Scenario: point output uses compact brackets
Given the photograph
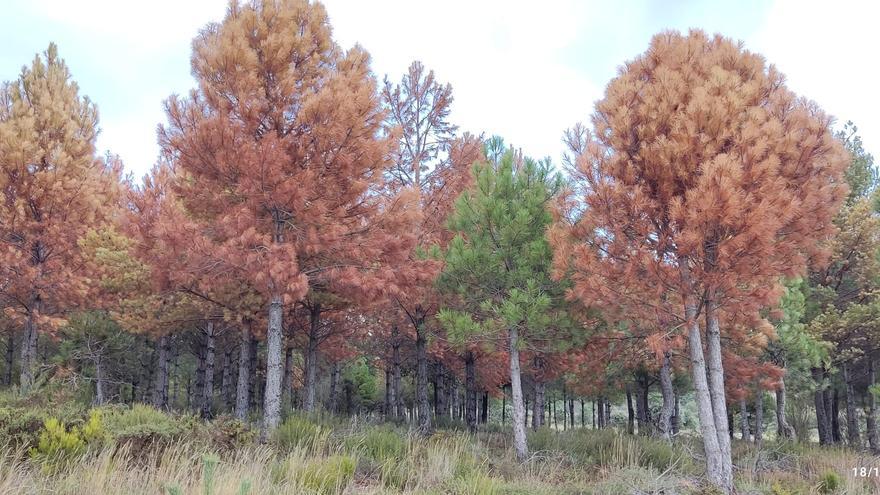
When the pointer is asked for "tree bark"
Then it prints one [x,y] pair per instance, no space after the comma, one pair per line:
[783,429]
[10,356]
[871,409]
[744,420]
[852,418]
[226,379]
[717,391]
[607,422]
[519,431]
[759,416]
[100,381]
[484,404]
[676,416]
[160,387]
[387,407]
[711,443]
[28,359]
[208,391]
[835,414]
[630,411]
[440,405]
[311,375]
[396,398]
[470,383]
[274,368]
[286,389]
[424,408]
[642,413]
[538,405]
[571,411]
[242,389]
[253,374]
[334,387]
[823,422]
[197,393]
[664,424]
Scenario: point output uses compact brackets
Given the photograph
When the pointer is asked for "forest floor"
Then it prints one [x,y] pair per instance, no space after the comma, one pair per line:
[121,450]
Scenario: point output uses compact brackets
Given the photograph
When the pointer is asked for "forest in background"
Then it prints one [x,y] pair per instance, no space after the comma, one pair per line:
[323,272]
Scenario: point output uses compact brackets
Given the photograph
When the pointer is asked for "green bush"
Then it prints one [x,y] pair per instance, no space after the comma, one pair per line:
[142,428]
[543,439]
[300,432]
[829,482]
[379,444]
[327,476]
[20,428]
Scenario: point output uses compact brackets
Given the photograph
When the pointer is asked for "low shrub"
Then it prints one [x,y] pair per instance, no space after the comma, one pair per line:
[298,432]
[327,476]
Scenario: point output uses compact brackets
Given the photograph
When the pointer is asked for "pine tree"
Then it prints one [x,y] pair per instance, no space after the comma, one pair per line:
[498,265]
[705,182]
[54,190]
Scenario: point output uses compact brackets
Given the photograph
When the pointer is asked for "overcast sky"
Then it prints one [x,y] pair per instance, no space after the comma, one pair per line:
[523,70]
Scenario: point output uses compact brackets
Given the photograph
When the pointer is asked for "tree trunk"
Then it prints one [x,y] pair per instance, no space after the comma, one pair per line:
[571,411]
[424,408]
[676,416]
[783,429]
[593,408]
[208,392]
[253,374]
[396,398]
[100,381]
[744,420]
[334,387]
[10,356]
[835,415]
[160,388]
[607,420]
[387,407]
[630,412]
[664,424]
[287,382]
[852,418]
[538,405]
[274,368]
[29,352]
[470,408]
[311,371]
[197,393]
[226,380]
[871,409]
[642,414]
[823,422]
[242,389]
[519,431]
[759,416]
[583,415]
[484,412]
[440,406]
[711,443]
[717,392]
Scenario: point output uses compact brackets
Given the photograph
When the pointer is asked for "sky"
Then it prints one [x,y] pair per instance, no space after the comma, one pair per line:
[522,70]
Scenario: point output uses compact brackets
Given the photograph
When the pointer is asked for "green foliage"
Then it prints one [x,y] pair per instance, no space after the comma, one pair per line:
[861,175]
[380,443]
[20,428]
[299,432]
[141,421]
[829,482]
[498,264]
[59,444]
[327,476]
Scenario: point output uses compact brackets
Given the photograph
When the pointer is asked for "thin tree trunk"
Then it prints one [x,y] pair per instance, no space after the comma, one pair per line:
[100,383]
[783,429]
[440,405]
[711,446]
[583,416]
[835,415]
[822,421]
[717,392]
[642,415]
[242,389]
[334,387]
[274,367]
[287,382]
[253,374]
[538,405]
[10,356]
[630,412]
[484,413]
[160,388]
[387,409]
[871,410]
[504,406]
[593,408]
[470,408]
[396,398]
[852,418]
[607,412]
[571,411]
[676,416]
[29,352]
[208,392]
[424,408]
[519,432]
[226,378]
[664,424]
[197,393]
[744,420]
[759,416]
[311,375]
